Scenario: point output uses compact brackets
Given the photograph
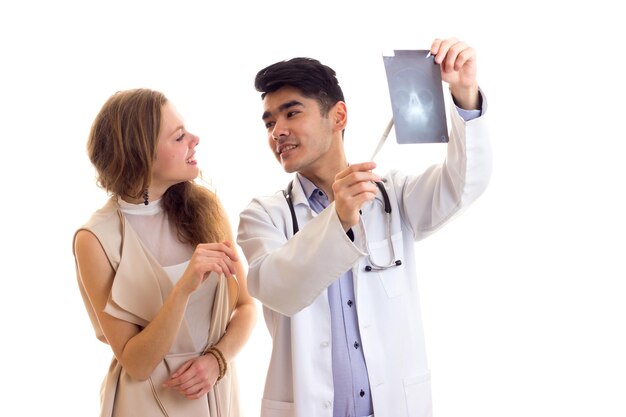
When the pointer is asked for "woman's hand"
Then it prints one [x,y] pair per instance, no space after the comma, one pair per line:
[195,378]
[207,258]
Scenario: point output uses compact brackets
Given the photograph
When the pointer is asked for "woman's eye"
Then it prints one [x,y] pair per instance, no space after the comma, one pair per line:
[178,139]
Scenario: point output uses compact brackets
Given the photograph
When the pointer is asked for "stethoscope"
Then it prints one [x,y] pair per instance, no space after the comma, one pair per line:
[373,266]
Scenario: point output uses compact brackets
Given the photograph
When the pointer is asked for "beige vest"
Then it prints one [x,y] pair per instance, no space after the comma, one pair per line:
[139,288]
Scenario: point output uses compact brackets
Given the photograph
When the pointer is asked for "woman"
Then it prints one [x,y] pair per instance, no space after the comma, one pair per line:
[157,268]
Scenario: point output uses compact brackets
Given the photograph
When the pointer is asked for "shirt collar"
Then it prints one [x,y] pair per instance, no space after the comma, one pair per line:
[311,191]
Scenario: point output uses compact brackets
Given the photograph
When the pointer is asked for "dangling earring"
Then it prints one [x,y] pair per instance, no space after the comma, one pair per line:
[145,196]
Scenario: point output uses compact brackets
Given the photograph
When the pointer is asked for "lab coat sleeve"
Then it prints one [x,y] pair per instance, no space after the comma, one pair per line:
[287,275]
[443,191]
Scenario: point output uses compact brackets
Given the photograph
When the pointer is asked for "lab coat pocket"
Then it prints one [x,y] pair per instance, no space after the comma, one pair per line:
[271,408]
[384,254]
[418,395]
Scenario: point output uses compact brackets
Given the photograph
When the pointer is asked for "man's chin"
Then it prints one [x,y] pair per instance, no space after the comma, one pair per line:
[289,168]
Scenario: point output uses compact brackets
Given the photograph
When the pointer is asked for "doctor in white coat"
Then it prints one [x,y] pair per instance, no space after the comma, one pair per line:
[340,296]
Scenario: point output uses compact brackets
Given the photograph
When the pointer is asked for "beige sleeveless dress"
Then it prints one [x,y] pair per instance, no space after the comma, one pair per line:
[139,288]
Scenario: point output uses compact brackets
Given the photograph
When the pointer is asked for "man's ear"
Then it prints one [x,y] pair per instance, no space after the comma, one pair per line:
[339,115]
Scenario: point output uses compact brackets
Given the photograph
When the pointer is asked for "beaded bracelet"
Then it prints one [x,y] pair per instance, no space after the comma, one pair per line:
[221,362]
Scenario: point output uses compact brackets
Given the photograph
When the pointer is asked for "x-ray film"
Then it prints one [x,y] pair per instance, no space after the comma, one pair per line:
[419,114]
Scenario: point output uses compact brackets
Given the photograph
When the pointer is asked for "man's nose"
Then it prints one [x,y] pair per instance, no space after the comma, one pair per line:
[281,129]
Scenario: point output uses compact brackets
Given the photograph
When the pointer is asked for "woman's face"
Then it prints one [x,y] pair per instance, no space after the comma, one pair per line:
[175,161]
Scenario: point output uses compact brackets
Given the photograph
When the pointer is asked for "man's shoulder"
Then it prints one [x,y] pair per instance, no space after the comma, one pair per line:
[268,202]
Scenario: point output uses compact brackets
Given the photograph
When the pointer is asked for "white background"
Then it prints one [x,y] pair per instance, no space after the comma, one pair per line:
[523,295]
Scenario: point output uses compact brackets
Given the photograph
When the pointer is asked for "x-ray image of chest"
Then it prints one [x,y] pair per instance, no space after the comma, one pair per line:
[416,97]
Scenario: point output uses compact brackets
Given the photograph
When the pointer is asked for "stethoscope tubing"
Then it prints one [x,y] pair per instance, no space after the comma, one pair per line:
[387,207]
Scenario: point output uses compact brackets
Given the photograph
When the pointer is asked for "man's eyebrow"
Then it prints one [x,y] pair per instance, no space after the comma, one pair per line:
[283,107]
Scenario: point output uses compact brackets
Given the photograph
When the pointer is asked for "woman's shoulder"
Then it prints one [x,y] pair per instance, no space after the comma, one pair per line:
[108,228]
[104,217]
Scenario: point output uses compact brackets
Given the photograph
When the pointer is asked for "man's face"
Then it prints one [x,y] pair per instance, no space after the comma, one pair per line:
[298,134]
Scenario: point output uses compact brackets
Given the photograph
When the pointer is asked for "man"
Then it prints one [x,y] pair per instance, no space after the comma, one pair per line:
[340,296]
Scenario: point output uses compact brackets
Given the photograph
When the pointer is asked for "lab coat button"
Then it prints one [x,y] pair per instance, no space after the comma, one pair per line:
[327,404]
[324,344]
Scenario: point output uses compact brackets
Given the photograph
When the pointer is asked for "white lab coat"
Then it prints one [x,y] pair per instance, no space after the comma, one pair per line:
[290,277]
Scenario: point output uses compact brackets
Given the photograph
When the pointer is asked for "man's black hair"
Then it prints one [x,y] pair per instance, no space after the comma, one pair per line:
[313,79]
